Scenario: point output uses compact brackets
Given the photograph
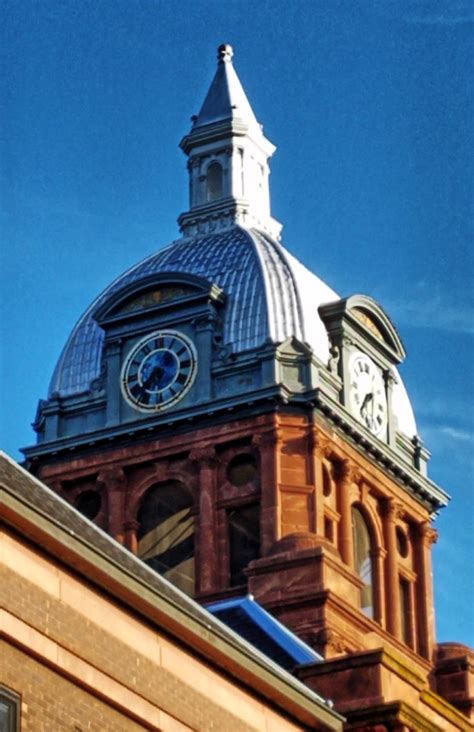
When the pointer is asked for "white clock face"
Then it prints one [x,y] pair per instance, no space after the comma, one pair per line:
[368,402]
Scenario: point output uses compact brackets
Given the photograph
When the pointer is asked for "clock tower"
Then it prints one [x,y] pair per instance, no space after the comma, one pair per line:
[225,415]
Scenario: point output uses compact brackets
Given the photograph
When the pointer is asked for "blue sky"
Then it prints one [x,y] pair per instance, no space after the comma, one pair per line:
[370,106]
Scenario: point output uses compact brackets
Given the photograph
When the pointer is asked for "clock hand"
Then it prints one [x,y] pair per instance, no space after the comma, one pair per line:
[368,397]
[157,371]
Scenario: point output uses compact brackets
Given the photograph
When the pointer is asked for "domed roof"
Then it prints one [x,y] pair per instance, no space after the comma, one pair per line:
[266,289]
[271,296]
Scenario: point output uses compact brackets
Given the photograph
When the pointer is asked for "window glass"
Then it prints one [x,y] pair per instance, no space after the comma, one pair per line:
[244,540]
[241,470]
[166,533]
[9,710]
[363,560]
[214,182]
[160,295]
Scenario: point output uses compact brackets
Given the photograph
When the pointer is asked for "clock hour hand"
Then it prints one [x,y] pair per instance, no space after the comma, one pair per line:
[368,398]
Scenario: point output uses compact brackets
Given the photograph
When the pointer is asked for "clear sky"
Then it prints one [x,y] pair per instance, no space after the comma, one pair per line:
[370,105]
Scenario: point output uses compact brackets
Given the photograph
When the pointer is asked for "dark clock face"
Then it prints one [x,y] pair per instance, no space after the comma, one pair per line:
[158,371]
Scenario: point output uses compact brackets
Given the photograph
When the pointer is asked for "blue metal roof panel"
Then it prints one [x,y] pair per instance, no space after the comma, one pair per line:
[246,617]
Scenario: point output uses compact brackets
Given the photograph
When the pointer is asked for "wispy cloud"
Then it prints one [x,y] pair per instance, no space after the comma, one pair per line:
[428,308]
[439,19]
[442,433]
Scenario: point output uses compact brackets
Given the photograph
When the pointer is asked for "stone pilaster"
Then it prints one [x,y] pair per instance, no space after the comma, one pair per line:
[112,482]
[345,542]
[424,537]
[391,512]
[205,462]
[268,445]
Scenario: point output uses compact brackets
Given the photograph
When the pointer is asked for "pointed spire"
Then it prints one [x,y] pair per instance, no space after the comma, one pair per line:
[228,160]
[226,99]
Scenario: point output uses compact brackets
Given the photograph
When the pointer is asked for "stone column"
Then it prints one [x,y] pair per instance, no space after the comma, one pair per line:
[268,444]
[317,454]
[424,537]
[113,354]
[345,541]
[205,462]
[204,332]
[112,482]
[131,541]
[378,555]
[392,422]
[392,511]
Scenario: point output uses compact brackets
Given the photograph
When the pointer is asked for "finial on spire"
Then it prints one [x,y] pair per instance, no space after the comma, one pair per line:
[225,53]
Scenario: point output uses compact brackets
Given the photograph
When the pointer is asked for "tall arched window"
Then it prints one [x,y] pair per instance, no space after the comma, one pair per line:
[214,182]
[363,560]
[166,533]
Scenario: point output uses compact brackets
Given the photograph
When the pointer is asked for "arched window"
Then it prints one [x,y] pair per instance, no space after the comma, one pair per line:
[166,533]
[363,560]
[214,182]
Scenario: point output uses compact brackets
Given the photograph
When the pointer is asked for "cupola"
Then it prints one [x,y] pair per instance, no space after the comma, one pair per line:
[228,158]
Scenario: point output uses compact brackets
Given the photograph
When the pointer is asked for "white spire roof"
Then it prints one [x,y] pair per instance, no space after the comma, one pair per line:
[226,98]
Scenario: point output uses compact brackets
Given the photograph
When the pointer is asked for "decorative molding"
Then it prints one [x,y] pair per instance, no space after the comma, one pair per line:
[204,457]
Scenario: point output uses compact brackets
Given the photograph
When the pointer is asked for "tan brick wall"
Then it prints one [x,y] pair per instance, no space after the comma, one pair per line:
[79,631]
[51,703]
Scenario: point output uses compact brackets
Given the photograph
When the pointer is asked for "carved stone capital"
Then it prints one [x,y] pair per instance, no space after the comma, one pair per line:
[332,642]
[204,457]
[390,378]
[111,477]
[393,510]
[347,473]
[266,440]
[428,534]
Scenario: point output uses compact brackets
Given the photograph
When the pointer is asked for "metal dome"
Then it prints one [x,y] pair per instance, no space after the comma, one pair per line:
[271,296]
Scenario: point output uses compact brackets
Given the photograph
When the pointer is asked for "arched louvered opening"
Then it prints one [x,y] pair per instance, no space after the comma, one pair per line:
[214,180]
[166,533]
[363,560]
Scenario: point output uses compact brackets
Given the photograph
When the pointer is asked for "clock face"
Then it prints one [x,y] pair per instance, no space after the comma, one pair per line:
[158,371]
[368,402]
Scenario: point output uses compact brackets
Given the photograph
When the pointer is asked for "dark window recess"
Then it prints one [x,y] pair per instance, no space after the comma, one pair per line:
[159,295]
[405,611]
[214,182]
[244,540]
[166,533]
[402,543]
[89,503]
[327,484]
[241,470]
[328,529]
[9,710]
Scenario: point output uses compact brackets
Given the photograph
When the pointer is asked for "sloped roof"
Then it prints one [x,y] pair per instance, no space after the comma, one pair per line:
[252,622]
[226,98]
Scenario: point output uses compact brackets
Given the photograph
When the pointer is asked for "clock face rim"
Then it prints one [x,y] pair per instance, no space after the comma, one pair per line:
[189,351]
[379,389]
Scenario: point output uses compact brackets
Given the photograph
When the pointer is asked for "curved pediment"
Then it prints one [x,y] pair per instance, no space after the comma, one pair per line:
[164,289]
[364,316]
